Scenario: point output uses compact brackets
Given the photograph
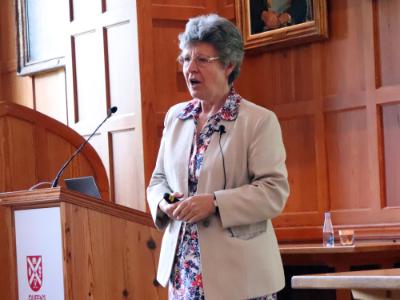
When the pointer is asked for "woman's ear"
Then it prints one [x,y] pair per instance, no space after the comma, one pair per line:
[229,69]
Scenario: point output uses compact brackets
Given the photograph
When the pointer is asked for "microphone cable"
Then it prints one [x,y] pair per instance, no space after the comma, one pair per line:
[221,130]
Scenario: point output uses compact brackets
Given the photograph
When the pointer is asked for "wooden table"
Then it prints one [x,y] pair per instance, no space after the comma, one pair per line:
[365,285]
[340,257]
[378,253]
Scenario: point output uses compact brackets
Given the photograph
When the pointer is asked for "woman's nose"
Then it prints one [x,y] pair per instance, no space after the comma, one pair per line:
[192,65]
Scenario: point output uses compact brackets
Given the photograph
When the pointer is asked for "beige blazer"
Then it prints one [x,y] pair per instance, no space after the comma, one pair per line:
[239,252]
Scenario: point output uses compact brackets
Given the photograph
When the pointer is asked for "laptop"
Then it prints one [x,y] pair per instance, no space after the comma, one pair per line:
[85,185]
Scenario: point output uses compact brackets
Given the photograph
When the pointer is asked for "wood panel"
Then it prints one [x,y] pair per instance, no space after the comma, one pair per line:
[89,103]
[8,276]
[47,90]
[81,10]
[128,181]
[387,44]
[35,147]
[17,160]
[343,67]
[50,95]
[166,32]
[299,136]
[109,251]
[282,77]
[96,242]
[390,116]
[347,149]
[327,81]
[122,67]
[325,95]
[103,71]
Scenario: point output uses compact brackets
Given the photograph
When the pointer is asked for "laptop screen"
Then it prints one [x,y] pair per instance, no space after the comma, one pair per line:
[85,185]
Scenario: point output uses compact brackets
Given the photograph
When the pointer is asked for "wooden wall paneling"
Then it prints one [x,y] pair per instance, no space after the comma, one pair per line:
[102,146]
[31,91]
[343,67]
[180,3]
[108,61]
[287,82]
[388,94]
[353,98]
[37,146]
[324,95]
[166,32]
[115,4]
[122,67]
[370,71]
[81,10]
[293,70]
[8,56]
[147,65]
[347,150]
[128,178]
[163,85]
[3,153]
[299,224]
[259,89]
[86,93]
[55,159]
[299,137]
[50,94]
[390,114]
[20,153]
[2,38]
[284,77]
[226,9]
[16,89]
[90,85]
[387,29]
[180,9]
[122,64]
[124,89]
[386,97]
[320,142]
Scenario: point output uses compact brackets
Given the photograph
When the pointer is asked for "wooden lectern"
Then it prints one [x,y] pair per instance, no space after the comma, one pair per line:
[55,241]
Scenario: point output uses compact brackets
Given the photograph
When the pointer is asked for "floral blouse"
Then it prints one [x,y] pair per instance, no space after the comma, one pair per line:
[185,282]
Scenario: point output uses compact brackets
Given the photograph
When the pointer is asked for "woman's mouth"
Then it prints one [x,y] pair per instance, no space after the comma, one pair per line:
[194,82]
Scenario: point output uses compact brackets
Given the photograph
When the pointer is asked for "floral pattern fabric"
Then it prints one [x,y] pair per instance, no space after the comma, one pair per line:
[185,282]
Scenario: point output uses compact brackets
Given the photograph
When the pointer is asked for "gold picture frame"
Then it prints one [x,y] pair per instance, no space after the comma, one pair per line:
[309,24]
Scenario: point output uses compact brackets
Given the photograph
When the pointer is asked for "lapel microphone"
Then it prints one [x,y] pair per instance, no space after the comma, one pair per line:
[221,129]
[57,178]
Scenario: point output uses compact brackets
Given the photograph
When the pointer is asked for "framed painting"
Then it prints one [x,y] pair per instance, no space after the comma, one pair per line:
[271,24]
[41,35]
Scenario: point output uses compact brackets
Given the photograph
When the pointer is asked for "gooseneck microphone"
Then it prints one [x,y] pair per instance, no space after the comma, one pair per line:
[54,183]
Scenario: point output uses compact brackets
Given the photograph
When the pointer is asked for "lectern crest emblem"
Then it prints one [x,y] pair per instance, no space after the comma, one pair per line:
[35,272]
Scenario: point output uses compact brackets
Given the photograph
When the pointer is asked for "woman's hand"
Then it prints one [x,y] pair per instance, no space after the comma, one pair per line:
[168,208]
[195,208]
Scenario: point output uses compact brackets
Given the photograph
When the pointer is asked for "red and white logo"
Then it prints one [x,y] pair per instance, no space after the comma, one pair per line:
[35,272]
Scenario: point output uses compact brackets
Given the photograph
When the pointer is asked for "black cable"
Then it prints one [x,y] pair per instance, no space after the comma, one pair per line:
[223,159]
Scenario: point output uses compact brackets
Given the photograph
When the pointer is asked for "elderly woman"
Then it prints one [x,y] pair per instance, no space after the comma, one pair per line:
[223,158]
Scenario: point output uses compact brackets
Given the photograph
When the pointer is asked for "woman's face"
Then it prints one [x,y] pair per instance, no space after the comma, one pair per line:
[206,77]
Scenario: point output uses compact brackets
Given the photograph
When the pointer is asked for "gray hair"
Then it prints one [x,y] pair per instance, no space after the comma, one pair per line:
[220,33]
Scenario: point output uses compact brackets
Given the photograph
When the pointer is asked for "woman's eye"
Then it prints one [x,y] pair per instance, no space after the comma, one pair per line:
[202,60]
